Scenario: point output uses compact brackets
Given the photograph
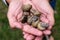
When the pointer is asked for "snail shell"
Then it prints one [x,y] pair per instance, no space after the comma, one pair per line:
[35,12]
[29,21]
[34,24]
[26,8]
[40,27]
[45,25]
[32,19]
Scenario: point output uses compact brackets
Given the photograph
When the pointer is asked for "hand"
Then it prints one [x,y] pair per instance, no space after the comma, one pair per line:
[47,17]
[47,13]
[15,14]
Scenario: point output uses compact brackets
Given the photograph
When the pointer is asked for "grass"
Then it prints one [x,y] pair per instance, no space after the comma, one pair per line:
[6,33]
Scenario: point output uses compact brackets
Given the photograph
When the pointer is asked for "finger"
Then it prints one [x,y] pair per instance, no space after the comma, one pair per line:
[31,30]
[43,18]
[38,38]
[28,36]
[25,35]
[47,32]
[43,6]
[19,16]
[14,8]
[11,20]
[50,17]
[50,27]
[18,25]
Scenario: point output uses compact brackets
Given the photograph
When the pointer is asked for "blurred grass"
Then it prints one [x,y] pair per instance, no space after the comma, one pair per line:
[6,33]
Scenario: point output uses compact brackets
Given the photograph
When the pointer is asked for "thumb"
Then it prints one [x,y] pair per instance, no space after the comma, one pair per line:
[47,32]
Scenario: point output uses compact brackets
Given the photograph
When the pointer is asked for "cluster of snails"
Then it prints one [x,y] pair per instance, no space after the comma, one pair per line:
[31,16]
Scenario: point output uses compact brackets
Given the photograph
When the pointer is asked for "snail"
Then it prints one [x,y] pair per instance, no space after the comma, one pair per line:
[32,19]
[34,24]
[42,26]
[29,21]
[45,25]
[26,8]
[35,12]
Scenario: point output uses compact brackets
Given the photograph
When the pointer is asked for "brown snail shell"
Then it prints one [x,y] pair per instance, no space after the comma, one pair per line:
[35,12]
[29,21]
[34,24]
[26,8]
[40,27]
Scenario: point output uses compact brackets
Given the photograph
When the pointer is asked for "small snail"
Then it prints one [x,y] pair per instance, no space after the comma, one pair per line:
[29,20]
[35,12]
[42,26]
[34,24]
[32,19]
[26,8]
[45,25]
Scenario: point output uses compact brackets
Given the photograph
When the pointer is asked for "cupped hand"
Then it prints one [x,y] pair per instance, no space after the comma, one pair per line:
[47,16]
[14,15]
[47,13]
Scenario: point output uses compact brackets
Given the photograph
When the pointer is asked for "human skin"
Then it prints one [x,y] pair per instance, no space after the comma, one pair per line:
[13,16]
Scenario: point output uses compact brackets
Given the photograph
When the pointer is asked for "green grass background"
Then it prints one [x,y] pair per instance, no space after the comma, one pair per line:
[6,33]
